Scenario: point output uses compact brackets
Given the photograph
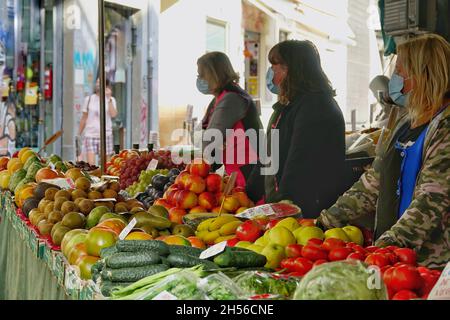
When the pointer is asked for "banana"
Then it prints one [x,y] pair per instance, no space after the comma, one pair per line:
[220,221]
[229,228]
[204,225]
[202,234]
[210,237]
[224,238]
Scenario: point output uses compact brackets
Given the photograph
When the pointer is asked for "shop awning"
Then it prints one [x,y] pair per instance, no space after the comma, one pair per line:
[166,4]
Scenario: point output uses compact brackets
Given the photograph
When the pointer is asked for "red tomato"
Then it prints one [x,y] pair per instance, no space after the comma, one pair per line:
[295,274]
[405,278]
[423,270]
[302,265]
[406,255]
[392,248]
[398,264]
[429,281]
[436,272]
[359,249]
[232,242]
[287,263]
[404,295]
[249,231]
[382,251]
[383,269]
[314,241]
[339,254]
[319,262]
[294,250]
[333,243]
[350,244]
[377,259]
[387,275]
[356,256]
[272,223]
[313,252]
[371,249]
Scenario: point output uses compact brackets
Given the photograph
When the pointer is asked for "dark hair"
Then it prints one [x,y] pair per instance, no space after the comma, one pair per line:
[304,74]
[215,67]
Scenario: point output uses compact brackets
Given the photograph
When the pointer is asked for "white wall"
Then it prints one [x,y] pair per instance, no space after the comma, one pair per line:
[182,40]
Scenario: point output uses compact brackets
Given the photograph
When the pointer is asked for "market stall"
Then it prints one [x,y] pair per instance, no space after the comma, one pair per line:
[171,231]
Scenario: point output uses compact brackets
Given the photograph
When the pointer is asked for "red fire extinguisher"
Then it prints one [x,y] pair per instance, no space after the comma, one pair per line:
[48,82]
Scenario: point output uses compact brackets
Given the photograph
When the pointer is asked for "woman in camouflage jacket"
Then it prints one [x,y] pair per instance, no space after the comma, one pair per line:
[424,225]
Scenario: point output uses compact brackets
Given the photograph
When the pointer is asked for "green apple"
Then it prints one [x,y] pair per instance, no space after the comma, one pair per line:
[290,223]
[297,231]
[266,236]
[261,241]
[282,236]
[337,233]
[307,233]
[354,234]
[274,253]
[243,244]
[255,248]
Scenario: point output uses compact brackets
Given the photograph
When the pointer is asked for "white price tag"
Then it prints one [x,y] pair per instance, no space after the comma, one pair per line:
[106,200]
[63,183]
[263,210]
[127,229]
[165,296]
[152,165]
[221,171]
[441,291]
[52,166]
[214,250]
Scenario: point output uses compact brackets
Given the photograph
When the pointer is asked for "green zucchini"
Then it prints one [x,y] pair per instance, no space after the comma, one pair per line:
[191,251]
[132,259]
[132,274]
[187,261]
[106,252]
[240,259]
[143,245]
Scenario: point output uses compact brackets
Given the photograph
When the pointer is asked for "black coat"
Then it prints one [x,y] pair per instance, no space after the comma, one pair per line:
[311,154]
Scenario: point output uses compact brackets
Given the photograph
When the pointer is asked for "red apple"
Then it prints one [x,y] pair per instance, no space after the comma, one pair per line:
[231,204]
[198,209]
[186,199]
[249,231]
[243,199]
[333,243]
[214,183]
[176,215]
[181,179]
[200,168]
[207,200]
[195,184]
[294,250]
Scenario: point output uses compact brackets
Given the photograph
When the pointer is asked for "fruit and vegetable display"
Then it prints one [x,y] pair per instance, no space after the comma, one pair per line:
[185,232]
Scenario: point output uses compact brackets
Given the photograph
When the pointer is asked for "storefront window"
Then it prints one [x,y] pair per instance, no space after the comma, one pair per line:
[215,36]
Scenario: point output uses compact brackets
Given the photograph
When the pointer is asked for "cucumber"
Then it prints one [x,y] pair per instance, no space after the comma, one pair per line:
[106,252]
[96,269]
[165,261]
[191,251]
[187,261]
[143,245]
[132,274]
[132,259]
[107,287]
[240,259]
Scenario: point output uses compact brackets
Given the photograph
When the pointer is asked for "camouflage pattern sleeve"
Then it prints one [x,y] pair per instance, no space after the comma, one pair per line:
[360,200]
[425,225]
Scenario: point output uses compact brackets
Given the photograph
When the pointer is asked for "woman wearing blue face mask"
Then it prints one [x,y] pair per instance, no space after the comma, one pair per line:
[232,112]
[311,131]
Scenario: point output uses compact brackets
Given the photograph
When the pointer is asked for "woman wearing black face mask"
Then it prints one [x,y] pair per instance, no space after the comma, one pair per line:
[232,109]
[311,131]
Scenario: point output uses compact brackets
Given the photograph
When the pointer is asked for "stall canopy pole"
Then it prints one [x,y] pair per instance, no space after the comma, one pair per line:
[101,69]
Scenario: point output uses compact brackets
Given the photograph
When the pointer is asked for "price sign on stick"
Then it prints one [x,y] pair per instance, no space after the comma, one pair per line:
[127,229]
[152,165]
[227,190]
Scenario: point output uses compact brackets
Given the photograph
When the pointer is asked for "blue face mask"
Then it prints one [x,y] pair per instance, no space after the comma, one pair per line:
[203,86]
[395,90]
[269,82]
